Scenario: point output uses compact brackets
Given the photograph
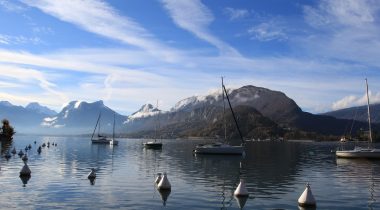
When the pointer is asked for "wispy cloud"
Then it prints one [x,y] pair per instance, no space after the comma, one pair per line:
[268,31]
[236,14]
[345,30]
[98,17]
[11,6]
[195,17]
[17,40]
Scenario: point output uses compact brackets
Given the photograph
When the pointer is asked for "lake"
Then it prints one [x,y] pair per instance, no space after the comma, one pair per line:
[275,173]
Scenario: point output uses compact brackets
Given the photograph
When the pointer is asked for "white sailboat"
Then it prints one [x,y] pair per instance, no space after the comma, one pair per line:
[360,152]
[101,139]
[219,148]
[154,144]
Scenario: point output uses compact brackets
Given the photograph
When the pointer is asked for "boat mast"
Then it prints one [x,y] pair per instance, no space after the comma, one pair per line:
[233,114]
[95,126]
[113,132]
[224,115]
[156,124]
[369,114]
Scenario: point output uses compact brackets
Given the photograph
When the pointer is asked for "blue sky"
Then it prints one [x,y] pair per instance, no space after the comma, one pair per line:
[133,52]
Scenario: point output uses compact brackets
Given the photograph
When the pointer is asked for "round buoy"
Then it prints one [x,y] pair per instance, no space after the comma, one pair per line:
[158,178]
[21,153]
[92,174]
[24,157]
[241,190]
[164,184]
[25,171]
[307,199]
[7,155]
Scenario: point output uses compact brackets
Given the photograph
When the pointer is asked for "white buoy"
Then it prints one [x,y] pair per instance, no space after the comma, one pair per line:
[158,178]
[25,171]
[164,184]
[241,189]
[21,153]
[92,174]
[24,157]
[307,199]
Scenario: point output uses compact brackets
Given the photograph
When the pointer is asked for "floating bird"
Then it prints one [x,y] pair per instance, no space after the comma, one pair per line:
[25,171]
[14,150]
[158,178]
[307,199]
[164,183]
[241,189]
[30,146]
[92,174]
[26,148]
[43,145]
[35,142]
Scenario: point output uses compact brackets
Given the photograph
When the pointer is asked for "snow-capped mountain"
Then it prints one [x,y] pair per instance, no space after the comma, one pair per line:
[81,117]
[146,110]
[40,109]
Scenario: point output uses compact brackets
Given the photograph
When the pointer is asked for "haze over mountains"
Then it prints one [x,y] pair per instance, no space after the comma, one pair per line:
[261,113]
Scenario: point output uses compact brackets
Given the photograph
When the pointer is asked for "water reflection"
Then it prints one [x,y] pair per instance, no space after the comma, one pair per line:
[164,195]
[275,174]
[24,180]
[241,201]
[360,171]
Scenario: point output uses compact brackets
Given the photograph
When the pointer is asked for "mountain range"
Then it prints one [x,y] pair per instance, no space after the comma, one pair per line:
[261,113]
[358,113]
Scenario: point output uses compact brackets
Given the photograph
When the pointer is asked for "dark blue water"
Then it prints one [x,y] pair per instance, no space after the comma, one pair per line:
[275,172]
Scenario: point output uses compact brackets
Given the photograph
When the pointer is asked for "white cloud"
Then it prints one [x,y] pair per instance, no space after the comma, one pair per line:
[352,13]
[195,17]
[11,6]
[98,17]
[235,14]
[268,31]
[17,40]
[352,100]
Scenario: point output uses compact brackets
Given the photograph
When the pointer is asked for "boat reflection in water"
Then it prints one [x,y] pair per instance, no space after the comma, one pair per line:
[359,171]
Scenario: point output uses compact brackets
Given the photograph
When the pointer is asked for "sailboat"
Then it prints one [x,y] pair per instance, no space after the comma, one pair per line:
[101,139]
[223,148]
[360,152]
[154,144]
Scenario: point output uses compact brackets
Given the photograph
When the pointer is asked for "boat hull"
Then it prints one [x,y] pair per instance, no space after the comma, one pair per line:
[101,141]
[153,145]
[366,153]
[219,150]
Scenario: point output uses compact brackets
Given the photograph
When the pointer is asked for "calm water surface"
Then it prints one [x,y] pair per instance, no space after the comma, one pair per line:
[275,172]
